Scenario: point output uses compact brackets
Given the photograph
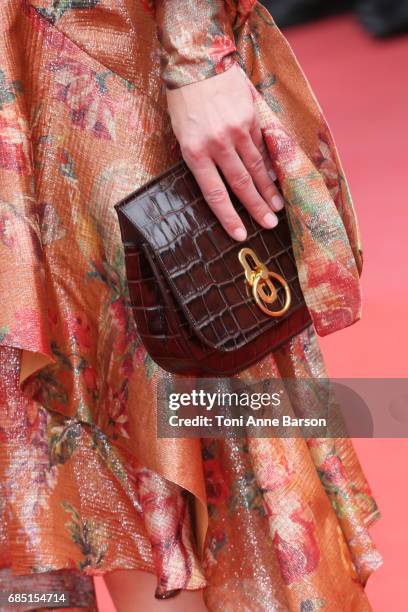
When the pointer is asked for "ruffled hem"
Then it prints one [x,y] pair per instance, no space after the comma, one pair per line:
[129,516]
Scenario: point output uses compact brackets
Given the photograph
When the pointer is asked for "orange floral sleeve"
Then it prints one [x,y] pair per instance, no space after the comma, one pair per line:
[196,37]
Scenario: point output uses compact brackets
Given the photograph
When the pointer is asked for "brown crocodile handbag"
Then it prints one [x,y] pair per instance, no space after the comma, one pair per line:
[205,304]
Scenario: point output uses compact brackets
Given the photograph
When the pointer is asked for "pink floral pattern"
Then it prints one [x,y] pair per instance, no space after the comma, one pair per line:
[86,95]
[294,538]
[326,164]
[14,152]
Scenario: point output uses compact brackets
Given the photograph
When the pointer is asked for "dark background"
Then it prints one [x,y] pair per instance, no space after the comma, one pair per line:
[379,17]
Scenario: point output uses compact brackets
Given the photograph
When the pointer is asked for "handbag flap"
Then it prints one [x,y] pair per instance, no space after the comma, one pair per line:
[199,261]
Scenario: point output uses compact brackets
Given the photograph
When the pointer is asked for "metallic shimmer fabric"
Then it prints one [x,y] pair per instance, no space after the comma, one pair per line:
[85,485]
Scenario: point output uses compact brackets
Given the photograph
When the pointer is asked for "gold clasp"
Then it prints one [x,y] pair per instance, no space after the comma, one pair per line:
[259,278]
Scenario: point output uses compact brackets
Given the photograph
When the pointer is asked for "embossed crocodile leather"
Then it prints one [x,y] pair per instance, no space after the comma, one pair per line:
[191,302]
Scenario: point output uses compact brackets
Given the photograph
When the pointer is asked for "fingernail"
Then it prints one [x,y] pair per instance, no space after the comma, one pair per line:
[272,174]
[277,202]
[270,220]
[239,234]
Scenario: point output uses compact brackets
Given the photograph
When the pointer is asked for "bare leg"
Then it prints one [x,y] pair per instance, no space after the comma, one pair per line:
[133,591]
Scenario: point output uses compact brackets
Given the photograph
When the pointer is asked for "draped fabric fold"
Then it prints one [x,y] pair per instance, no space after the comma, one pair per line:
[328,271]
[86,485]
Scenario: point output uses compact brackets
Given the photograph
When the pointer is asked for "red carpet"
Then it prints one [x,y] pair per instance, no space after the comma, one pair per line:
[362,87]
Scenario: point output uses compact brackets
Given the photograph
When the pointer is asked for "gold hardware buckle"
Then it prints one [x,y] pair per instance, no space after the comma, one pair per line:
[259,278]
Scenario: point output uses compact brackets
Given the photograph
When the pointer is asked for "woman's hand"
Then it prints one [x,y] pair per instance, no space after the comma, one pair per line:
[215,123]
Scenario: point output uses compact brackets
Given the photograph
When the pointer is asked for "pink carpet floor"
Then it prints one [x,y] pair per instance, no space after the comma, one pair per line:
[362,86]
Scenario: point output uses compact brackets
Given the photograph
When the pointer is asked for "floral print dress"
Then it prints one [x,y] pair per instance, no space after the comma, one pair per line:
[86,486]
